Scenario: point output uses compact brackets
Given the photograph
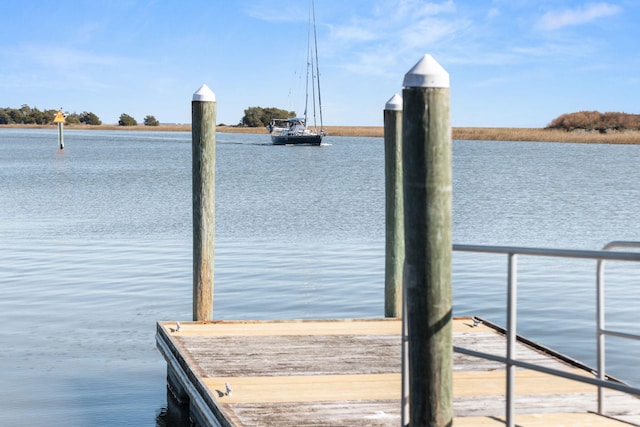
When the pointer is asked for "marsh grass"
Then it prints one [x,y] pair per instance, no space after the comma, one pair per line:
[372,131]
[461,133]
[485,134]
[546,135]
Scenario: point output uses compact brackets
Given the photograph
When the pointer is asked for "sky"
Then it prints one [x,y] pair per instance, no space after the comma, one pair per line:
[512,63]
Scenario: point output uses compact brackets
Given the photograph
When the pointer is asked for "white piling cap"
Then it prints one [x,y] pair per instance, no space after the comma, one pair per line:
[204,94]
[426,73]
[394,103]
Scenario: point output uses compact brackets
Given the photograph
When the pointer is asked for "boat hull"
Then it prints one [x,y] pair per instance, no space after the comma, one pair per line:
[296,139]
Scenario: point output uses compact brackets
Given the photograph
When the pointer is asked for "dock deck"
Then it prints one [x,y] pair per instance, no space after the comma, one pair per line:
[348,373]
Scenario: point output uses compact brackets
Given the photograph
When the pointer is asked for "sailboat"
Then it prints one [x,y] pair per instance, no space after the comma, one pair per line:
[294,131]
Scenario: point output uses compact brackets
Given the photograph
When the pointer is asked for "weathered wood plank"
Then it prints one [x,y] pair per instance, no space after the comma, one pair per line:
[619,404]
[493,343]
[381,386]
[333,354]
[296,355]
[544,420]
[307,327]
[386,413]
[373,413]
[308,388]
[492,383]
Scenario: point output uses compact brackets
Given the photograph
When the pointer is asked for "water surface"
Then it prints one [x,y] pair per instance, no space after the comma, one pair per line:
[95,243]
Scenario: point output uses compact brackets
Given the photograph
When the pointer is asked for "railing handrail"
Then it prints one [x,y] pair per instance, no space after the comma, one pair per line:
[600,256]
[621,244]
[557,253]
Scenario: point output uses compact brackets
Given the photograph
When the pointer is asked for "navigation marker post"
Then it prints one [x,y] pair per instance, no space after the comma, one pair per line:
[59,119]
[203,143]
[427,171]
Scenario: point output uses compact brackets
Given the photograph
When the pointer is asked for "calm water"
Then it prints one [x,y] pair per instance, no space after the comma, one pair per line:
[95,247]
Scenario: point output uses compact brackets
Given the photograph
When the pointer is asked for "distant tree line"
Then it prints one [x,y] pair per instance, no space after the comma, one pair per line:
[151,121]
[596,121]
[258,116]
[26,115]
[127,120]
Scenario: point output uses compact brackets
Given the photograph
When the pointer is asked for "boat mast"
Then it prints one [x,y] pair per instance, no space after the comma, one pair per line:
[315,44]
[306,89]
[313,71]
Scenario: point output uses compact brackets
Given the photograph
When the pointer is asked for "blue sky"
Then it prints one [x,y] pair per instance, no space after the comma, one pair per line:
[512,63]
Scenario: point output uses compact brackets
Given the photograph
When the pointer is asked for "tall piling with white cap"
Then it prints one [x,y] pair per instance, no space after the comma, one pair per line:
[394,219]
[203,142]
[427,172]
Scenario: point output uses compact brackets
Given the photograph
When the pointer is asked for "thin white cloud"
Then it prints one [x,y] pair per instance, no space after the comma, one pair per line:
[392,19]
[375,42]
[578,16]
[401,9]
[493,82]
[276,11]
[428,32]
[55,57]
[56,66]
[353,33]
[568,48]
[372,63]
[493,13]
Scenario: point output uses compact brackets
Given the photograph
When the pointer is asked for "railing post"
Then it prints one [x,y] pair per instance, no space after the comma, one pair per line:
[394,209]
[426,155]
[512,322]
[404,400]
[599,332]
[600,319]
[203,142]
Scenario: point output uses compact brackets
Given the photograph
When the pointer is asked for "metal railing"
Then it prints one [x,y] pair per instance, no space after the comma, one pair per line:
[511,330]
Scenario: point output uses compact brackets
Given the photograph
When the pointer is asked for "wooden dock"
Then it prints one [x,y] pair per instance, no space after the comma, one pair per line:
[348,373]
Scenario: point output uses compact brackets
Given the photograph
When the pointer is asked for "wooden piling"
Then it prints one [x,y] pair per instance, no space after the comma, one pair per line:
[427,168]
[203,137]
[394,218]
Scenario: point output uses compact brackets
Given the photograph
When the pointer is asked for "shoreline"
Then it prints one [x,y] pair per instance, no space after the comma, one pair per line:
[459,133]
